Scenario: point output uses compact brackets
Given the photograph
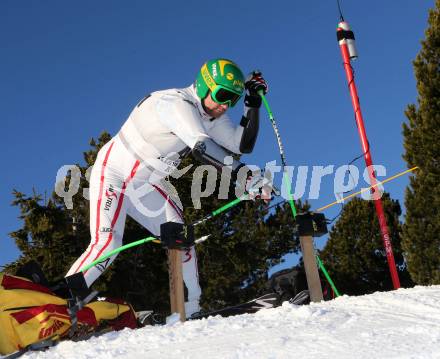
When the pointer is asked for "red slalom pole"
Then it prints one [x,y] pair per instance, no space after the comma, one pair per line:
[346,43]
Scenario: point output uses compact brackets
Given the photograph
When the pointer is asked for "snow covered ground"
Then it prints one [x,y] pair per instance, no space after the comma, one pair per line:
[398,324]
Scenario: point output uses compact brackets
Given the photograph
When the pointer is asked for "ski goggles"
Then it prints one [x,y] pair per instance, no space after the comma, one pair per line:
[222,95]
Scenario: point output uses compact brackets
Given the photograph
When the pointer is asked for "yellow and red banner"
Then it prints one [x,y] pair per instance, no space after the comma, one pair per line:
[30,312]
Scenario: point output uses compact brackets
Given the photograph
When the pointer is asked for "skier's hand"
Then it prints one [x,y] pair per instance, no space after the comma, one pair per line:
[259,186]
[255,82]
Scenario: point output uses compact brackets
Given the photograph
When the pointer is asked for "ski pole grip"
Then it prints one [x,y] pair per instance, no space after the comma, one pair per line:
[266,104]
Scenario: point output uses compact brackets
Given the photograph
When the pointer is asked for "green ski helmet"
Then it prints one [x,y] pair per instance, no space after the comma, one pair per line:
[223,78]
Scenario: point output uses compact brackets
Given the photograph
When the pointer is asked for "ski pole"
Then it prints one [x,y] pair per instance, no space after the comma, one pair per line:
[286,180]
[120,249]
[156,240]
[130,245]
[220,210]
[327,276]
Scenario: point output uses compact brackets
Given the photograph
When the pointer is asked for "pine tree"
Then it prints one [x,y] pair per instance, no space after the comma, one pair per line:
[45,227]
[354,253]
[52,235]
[421,232]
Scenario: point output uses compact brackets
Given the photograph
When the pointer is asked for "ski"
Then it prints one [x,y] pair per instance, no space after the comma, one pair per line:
[269,300]
[149,317]
[301,298]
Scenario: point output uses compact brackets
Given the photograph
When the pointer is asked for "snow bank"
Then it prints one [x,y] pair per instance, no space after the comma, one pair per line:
[398,324]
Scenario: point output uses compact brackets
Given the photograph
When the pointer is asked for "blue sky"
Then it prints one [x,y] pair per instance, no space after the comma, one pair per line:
[70,70]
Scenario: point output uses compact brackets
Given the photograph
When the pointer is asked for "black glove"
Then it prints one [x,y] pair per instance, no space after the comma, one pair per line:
[176,235]
[255,82]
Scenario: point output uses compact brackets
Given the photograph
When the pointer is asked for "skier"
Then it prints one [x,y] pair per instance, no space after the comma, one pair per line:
[128,175]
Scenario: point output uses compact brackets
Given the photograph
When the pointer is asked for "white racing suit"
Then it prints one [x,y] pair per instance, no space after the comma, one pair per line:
[128,176]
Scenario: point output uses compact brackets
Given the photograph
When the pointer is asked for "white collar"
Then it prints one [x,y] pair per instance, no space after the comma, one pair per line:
[198,102]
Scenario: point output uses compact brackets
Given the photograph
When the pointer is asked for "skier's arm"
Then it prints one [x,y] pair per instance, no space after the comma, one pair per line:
[226,134]
[237,139]
[242,139]
[251,118]
[250,123]
[183,120]
[209,152]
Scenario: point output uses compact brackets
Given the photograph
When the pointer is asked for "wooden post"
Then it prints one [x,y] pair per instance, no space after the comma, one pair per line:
[177,298]
[311,268]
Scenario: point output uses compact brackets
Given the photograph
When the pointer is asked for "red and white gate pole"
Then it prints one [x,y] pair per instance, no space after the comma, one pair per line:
[346,43]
